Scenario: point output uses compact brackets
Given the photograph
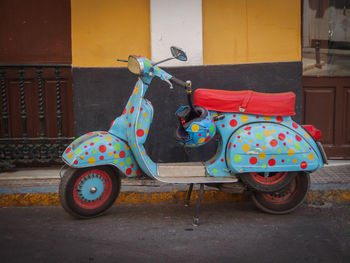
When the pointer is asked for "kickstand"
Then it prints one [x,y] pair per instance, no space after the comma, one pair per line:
[199,201]
[188,197]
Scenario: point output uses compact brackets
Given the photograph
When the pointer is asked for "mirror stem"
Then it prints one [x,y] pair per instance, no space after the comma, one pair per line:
[167,59]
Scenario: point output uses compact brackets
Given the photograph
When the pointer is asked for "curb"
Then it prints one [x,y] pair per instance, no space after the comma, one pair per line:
[39,187]
[174,197]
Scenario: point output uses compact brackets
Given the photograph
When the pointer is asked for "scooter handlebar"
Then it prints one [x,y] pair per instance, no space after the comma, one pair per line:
[178,82]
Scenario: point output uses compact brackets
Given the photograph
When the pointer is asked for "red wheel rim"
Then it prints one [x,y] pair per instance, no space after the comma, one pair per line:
[270,180]
[92,177]
[283,197]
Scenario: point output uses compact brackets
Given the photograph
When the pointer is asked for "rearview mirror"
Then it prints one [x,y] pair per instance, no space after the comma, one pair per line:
[178,53]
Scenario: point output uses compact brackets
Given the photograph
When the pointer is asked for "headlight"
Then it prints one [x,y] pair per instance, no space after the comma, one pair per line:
[135,65]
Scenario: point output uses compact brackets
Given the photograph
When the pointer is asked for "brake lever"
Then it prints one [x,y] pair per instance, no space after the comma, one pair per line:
[121,60]
[170,84]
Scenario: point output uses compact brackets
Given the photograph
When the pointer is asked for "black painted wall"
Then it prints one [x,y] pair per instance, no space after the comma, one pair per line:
[100,95]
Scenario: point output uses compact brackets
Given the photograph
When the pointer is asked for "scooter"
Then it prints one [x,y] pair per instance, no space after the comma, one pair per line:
[260,148]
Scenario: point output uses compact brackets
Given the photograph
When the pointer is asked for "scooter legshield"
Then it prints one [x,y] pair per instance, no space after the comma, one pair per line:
[101,148]
[271,147]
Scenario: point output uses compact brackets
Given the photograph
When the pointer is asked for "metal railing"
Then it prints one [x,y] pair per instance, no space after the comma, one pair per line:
[25,150]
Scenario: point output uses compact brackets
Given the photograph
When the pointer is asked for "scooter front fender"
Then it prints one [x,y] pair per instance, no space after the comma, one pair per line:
[101,148]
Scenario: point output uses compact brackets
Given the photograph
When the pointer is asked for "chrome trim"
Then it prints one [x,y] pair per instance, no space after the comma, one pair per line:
[323,153]
[141,64]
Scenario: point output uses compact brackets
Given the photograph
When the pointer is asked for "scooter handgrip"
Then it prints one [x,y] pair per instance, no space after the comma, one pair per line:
[178,82]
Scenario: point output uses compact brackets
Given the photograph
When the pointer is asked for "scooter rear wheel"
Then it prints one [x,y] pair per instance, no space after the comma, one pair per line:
[285,200]
[270,183]
[88,192]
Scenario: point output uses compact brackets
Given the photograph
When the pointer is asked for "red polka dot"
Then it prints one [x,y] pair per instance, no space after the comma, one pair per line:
[303,165]
[141,109]
[295,126]
[132,109]
[222,160]
[207,139]
[129,125]
[281,136]
[112,124]
[122,154]
[253,160]
[132,165]
[102,148]
[124,111]
[287,132]
[234,146]
[128,171]
[234,115]
[85,146]
[264,127]
[238,137]
[257,144]
[140,132]
[101,157]
[297,137]
[115,152]
[104,133]
[229,146]
[284,144]
[92,144]
[68,150]
[199,134]
[75,162]
[279,119]
[273,143]
[272,162]
[249,133]
[223,126]
[248,128]
[233,123]
[138,172]
[86,153]
[282,161]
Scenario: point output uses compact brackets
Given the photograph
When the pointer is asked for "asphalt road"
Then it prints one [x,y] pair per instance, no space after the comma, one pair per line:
[164,233]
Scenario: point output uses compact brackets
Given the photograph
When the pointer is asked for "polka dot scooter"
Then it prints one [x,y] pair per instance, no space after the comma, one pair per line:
[260,148]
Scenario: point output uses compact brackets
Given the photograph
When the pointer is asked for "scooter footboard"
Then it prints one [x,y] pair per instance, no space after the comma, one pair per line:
[271,147]
[101,148]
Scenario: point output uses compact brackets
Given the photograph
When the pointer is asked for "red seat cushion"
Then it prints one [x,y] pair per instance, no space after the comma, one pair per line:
[246,101]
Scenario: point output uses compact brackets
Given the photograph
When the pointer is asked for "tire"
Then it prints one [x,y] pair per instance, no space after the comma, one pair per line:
[273,182]
[285,200]
[88,192]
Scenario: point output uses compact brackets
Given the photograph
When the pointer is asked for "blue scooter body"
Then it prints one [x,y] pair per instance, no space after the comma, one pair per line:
[248,143]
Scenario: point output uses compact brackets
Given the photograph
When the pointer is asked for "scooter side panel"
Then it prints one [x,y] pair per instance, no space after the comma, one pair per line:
[217,165]
[271,147]
[101,148]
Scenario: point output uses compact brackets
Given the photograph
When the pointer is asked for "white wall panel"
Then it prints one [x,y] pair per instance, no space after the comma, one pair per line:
[177,23]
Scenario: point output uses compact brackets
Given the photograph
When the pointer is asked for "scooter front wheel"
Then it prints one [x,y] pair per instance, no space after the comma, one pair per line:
[88,192]
[286,200]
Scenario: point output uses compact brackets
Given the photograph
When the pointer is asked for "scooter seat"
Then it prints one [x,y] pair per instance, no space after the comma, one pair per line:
[246,101]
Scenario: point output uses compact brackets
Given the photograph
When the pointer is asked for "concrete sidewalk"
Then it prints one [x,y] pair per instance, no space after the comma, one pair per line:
[40,187]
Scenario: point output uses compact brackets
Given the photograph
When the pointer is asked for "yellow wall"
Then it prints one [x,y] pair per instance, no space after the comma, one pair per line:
[250,31]
[103,30]
[234,31]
